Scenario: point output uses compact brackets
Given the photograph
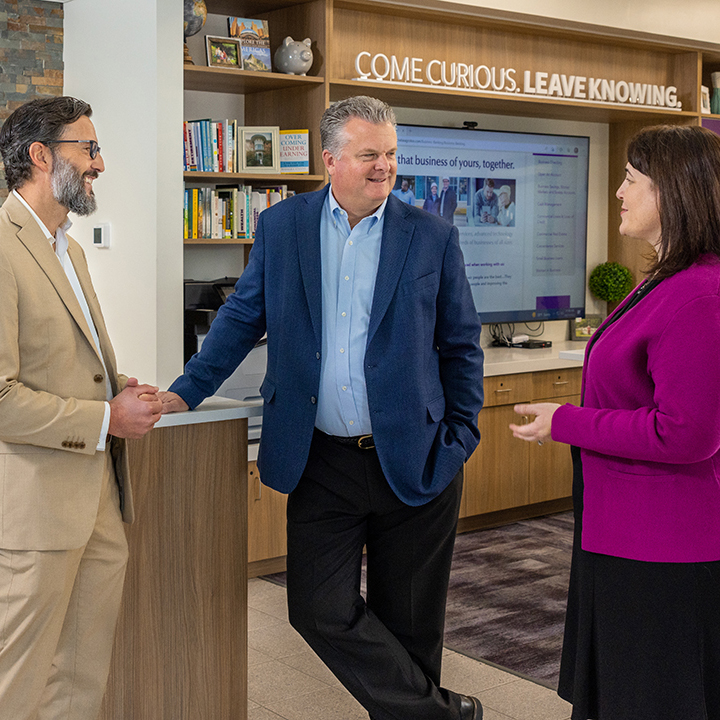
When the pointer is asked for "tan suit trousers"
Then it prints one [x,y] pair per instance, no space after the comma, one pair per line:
[58,611]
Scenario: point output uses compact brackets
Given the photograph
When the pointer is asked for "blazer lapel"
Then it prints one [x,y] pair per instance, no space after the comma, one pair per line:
[308,218]
[396,238]
[33,238]
[83,276]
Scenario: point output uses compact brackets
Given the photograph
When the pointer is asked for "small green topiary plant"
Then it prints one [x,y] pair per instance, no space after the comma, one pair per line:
[611,281]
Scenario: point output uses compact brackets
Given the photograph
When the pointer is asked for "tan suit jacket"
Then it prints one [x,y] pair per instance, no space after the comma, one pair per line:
[52,393]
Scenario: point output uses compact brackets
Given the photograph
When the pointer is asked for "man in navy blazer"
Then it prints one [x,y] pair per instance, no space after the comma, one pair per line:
[371,395]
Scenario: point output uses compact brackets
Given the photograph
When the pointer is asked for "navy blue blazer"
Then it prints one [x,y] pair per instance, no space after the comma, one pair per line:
[423,361]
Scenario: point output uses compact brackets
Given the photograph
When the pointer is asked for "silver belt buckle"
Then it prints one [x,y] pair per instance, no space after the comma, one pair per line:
[365,442]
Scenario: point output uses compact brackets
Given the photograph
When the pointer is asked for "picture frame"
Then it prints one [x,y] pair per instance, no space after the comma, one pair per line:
[260,149]
[223,52]
[705,99]
[583,329]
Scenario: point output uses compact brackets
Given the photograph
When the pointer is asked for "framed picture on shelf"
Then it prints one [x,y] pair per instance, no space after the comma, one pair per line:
[584,328]
[705,99]
[261,149]
[223,52]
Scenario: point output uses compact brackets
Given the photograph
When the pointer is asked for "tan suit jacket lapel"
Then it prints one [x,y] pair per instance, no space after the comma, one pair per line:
[108,354]
[39,246]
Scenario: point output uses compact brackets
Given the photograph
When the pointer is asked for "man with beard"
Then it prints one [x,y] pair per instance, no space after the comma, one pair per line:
[64,415]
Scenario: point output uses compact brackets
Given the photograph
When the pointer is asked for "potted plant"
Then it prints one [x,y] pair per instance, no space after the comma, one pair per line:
[611,281]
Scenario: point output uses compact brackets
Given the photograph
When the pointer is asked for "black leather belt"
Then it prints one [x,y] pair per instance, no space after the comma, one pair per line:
[363,442]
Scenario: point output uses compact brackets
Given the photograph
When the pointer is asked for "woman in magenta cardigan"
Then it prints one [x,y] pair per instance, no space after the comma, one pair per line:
[642,633]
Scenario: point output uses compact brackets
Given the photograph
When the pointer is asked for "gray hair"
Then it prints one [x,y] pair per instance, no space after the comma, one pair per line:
[42,120]
[334,119]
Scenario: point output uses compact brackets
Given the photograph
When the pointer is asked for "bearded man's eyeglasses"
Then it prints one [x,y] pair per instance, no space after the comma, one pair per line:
[93,148]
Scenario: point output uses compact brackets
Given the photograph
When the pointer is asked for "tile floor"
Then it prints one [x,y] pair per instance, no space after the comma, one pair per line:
[287,681]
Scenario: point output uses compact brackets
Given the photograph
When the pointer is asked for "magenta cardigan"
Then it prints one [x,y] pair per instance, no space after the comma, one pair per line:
[649,427]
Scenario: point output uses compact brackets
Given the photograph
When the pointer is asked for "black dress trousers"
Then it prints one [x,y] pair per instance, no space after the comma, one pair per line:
[385,649]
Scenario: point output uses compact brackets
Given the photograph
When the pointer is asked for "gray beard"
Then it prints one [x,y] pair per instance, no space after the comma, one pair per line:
[68,188]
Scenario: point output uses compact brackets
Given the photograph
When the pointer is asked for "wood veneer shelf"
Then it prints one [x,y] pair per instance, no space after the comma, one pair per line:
[250,8]
[218,241]
[226,80]
[497,104]
[284,178]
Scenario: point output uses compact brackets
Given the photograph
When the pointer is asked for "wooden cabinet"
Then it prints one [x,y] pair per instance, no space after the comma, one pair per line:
[550,466]
[504,472]
[266,524]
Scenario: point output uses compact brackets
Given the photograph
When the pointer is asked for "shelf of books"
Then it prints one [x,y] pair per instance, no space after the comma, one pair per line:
[221,159]
[228,214]
[226,177]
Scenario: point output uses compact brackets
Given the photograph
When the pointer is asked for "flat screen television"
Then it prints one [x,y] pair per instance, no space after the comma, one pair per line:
[520,206]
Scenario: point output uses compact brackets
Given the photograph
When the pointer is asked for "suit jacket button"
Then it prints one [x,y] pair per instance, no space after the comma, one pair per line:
[65,443]
[313,399]
[98,378]
[81,445]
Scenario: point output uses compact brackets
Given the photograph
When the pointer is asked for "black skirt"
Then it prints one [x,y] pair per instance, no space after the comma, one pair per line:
[642,639]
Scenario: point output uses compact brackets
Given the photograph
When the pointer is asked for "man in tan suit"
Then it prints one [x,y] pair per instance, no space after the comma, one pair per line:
[64,414]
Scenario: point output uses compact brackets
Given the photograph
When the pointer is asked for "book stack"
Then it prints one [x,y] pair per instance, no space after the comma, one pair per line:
[210,145]
[228,212]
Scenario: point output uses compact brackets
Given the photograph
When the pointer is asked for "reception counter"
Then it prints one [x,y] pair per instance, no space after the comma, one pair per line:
[181,643]
[561,355]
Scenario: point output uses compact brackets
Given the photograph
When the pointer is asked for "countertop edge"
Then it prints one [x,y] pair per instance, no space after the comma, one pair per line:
[508,361]
[214,409]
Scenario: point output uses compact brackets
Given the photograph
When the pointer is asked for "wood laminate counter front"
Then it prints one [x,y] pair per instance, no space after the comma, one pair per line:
[181,643]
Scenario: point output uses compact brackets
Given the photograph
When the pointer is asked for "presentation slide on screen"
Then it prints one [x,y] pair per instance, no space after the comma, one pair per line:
[520,204]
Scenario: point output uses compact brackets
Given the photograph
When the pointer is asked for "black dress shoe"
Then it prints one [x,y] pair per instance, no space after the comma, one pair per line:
[470,708]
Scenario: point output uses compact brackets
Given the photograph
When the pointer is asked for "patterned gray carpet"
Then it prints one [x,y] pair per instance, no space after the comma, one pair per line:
[506,601]
[507,595]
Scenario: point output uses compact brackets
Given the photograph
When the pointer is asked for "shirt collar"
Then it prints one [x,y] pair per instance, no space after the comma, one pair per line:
[60,239]
[375,217]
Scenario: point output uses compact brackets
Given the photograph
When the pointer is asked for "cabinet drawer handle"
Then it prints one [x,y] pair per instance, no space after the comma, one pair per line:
[561,382]
[504,390]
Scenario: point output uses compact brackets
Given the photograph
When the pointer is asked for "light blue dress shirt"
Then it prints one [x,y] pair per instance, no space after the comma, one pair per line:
[350,261]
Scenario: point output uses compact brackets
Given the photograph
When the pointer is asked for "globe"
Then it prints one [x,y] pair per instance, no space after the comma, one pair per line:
[195,15]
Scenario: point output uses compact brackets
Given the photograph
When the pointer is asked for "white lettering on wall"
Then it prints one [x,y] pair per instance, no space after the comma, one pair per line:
[495,80]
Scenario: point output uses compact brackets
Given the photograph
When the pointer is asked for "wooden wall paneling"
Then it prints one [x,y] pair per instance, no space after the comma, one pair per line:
[299,22]
[468,42]
[710,63]
[181,642]
[685,70]
[290,109]
[632,253]
[407,34]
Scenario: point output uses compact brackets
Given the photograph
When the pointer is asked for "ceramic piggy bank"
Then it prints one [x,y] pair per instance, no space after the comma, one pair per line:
[294,57]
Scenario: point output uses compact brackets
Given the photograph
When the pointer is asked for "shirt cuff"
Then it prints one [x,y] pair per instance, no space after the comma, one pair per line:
[104,429]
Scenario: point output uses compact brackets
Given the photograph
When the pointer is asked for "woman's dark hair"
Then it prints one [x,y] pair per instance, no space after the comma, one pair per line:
[37,121]
[683,163]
